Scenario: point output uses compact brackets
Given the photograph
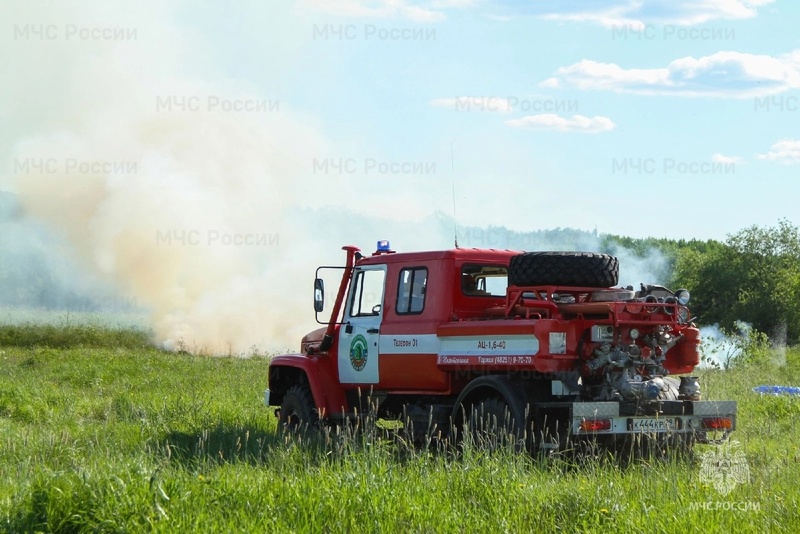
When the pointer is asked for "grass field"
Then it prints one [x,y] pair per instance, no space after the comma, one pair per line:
[100,432]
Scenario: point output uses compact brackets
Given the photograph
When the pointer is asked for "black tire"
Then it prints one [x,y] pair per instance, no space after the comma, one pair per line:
[298,413]
[576,269]
[492,424]
[551,433]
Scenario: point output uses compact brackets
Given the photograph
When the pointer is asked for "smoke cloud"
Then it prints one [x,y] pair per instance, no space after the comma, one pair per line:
[154,179]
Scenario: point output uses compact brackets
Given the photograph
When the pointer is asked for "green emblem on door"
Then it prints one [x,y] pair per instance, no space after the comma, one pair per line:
[358,352]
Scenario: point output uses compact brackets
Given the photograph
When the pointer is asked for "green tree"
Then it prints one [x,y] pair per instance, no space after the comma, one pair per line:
[753,277]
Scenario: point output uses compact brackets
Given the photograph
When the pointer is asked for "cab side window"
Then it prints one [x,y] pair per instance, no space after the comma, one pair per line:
[367,293]
[411,290]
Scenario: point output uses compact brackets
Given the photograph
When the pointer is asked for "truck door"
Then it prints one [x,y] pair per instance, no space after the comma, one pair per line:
[359,336]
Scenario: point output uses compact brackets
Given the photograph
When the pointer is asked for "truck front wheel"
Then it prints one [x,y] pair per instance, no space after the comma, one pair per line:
[298,412]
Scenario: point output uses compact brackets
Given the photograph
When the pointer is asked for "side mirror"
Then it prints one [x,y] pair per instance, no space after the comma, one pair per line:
[319,295]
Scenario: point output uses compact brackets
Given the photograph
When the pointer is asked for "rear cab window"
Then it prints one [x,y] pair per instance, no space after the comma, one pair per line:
[484,280]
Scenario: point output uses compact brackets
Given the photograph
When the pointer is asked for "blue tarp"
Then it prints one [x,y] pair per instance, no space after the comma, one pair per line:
[777,390]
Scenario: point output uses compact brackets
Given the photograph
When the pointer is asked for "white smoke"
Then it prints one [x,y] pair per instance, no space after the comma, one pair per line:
[716,348]
[651,268]
[723,349]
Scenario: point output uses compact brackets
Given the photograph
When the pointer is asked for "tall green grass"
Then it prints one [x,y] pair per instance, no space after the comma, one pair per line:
[68,334]
[116,437]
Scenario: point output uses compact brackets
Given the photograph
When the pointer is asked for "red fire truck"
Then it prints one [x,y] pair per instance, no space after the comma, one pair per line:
[541,343]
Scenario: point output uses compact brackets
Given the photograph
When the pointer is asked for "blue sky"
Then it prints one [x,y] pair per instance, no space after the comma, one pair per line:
[675,119]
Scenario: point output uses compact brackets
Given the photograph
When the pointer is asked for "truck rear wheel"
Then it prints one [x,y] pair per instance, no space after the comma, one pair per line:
[298,412]
[578,269]
[492,424]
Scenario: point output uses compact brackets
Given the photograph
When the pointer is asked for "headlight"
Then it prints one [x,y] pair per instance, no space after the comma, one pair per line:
[683,296]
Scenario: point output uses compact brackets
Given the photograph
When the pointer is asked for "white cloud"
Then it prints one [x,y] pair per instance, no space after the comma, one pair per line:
[475,103]
[609,13]
[551,121]
[723,74]
[784,151]
[719,158]
[638,13]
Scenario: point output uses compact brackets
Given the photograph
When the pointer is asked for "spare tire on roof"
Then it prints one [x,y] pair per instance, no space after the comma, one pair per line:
[576,269]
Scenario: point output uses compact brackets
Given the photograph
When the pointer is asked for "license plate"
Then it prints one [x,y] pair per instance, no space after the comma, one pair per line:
[651,424]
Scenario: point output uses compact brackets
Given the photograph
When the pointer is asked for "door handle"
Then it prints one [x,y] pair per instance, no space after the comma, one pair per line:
[374,331]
